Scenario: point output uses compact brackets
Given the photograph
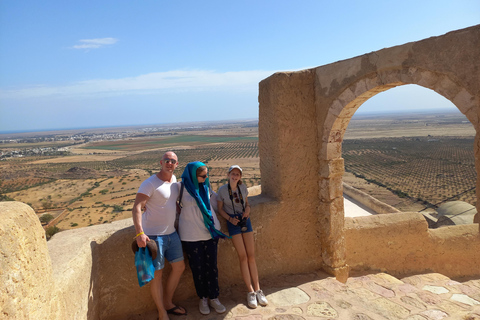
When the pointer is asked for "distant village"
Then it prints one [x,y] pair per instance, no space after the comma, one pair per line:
[68,140]
[46,151]
[64,141]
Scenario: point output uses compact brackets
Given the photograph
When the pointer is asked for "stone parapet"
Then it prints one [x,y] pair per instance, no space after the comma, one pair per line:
[401,244]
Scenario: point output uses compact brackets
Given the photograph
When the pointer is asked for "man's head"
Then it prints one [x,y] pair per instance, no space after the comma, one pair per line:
[169,162]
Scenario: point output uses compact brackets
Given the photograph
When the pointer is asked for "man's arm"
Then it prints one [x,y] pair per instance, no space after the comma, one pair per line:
[140,202]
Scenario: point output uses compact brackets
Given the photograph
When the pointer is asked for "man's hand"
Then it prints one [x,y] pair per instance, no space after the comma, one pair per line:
[142,240]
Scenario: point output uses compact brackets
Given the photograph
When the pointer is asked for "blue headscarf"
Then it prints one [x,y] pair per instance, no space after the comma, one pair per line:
[200,192]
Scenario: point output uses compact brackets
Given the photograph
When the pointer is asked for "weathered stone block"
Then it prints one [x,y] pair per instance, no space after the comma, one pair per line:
[331,188]
[331,168]
[27,289]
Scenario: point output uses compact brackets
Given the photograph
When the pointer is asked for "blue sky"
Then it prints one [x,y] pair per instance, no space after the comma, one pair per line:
[73,64]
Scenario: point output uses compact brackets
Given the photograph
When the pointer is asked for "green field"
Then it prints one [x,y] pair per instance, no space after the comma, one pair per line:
[163,142]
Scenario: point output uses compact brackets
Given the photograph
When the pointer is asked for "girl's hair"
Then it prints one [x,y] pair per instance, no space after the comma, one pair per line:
[200,170]
[239,181]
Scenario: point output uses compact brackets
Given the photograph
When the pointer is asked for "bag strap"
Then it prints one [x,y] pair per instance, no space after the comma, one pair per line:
[179,201]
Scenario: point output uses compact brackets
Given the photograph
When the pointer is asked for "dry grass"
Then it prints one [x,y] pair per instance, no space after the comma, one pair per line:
[94,200]
[83,158]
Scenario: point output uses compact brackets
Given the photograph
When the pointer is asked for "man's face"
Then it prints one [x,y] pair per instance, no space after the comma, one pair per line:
[169,161]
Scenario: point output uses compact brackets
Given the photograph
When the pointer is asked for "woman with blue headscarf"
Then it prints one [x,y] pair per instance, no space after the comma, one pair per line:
[199,230]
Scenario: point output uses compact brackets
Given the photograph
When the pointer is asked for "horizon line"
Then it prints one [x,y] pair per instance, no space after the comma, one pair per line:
[359,113]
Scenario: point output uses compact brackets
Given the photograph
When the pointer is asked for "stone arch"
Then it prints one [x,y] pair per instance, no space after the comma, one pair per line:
[349,101]
[304,115]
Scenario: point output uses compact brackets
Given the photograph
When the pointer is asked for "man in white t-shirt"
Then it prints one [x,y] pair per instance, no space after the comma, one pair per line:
[158,195]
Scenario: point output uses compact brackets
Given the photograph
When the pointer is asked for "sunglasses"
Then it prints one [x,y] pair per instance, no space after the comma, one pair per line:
[204,176]
[168,161]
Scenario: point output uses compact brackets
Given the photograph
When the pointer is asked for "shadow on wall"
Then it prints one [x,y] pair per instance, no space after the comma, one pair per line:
[95,272]
[113,281]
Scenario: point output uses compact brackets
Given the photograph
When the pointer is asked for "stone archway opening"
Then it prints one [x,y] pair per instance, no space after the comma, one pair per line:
[336,119]
[385,154]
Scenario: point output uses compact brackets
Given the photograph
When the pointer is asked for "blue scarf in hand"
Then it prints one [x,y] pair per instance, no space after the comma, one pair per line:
[200,192]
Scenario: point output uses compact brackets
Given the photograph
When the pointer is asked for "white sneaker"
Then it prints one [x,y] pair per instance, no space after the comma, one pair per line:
[203,306]
[262,300]
[252,300]
[217,305]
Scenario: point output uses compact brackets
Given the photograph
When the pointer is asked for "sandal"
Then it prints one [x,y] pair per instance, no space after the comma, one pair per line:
[175,311]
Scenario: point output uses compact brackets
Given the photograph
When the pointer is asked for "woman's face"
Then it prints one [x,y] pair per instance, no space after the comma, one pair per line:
[235,175]
[202,176]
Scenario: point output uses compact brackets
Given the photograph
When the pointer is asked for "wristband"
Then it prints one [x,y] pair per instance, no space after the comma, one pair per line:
[138,234]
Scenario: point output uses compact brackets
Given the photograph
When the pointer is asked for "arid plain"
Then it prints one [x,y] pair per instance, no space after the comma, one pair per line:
[95,182]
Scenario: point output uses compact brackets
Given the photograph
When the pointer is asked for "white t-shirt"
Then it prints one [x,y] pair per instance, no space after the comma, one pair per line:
[190,223]
[159,216]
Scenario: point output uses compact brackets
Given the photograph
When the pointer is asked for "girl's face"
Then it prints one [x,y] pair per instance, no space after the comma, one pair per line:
[234,176]
[203,176]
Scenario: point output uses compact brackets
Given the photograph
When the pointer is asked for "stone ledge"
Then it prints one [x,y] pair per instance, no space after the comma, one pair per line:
[367,200]
[402,244]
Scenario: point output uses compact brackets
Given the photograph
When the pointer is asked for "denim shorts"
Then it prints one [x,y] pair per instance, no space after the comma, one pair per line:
[169,247]
[235,229]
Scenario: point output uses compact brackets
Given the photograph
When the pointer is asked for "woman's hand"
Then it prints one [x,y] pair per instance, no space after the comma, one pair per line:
[233,221]
[227,217]
[246,214]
